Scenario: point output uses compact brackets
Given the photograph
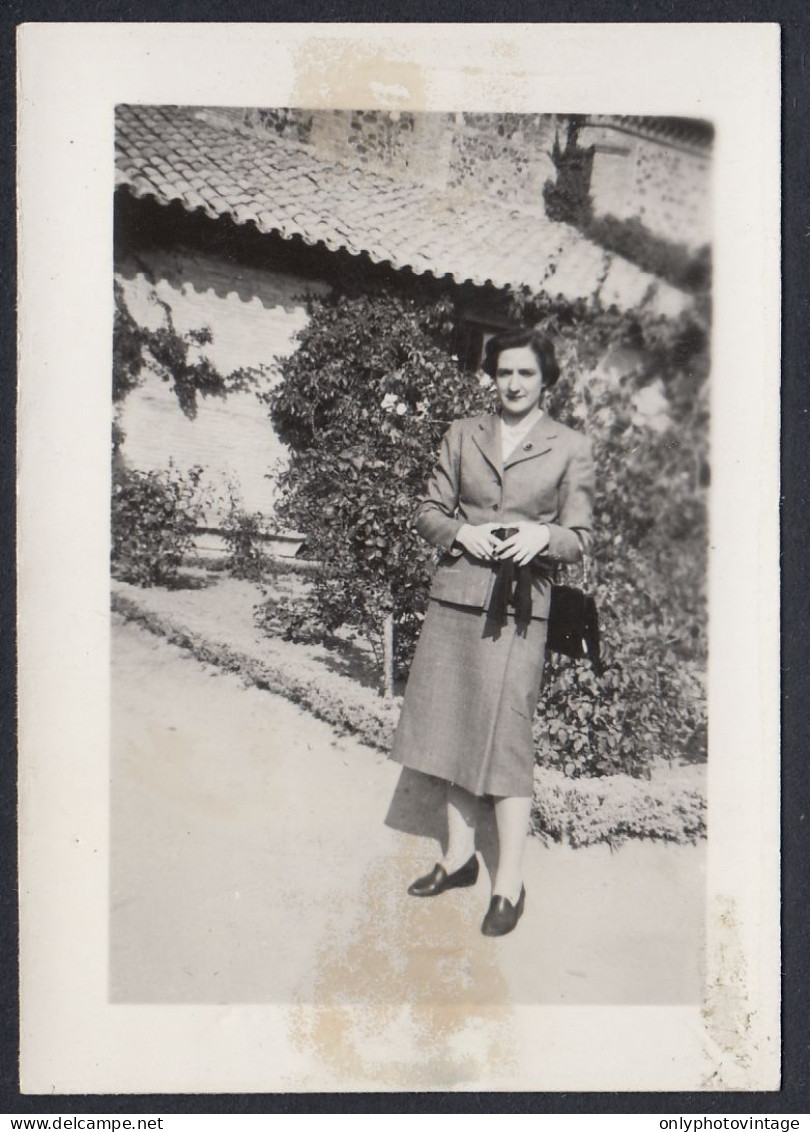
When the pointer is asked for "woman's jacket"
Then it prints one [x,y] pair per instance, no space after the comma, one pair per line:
[549,478]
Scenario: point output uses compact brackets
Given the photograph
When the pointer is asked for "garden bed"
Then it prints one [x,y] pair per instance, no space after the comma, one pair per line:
[213,618]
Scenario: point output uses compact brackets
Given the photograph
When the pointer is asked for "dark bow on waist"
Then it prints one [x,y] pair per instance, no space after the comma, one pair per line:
[513,586]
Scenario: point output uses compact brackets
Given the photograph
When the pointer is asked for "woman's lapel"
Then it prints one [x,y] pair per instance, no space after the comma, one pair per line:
[488,438]
[537,441]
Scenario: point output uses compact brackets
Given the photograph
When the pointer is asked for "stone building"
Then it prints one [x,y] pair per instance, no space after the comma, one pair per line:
[233,217]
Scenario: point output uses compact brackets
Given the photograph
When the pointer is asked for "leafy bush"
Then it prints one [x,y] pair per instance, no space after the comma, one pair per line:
[243,533]
[613,809]
[296,619]
[643,707]
[175,357]
[154,516]
[363,404]
[649,562]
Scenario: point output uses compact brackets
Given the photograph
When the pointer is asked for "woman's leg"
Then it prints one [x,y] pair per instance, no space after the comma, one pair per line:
[462,818]
[512,820]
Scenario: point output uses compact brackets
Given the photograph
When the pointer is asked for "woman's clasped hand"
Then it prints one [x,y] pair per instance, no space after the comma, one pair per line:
[529,540]
[479,540]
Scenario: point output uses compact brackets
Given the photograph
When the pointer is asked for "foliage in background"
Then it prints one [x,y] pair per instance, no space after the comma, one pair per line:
[648,566]
[154,516]
[363,404]
[630,238]
[567,199]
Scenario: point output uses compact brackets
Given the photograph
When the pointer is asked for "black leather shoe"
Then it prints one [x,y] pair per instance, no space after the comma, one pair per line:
[439,880]
[503,915]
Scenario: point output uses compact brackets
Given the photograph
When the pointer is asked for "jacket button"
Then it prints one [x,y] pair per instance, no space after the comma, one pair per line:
[496,506]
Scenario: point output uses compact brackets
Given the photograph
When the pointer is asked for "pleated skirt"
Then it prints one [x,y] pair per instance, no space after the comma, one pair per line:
[470,700]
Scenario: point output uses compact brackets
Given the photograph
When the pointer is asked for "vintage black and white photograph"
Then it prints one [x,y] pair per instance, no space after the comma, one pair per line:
[411,513]
[389,387]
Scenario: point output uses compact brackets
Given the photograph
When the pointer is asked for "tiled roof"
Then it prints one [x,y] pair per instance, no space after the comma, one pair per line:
[695,133]
[282,186]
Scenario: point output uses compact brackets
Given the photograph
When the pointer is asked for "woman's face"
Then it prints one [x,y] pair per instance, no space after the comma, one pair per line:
[518,380]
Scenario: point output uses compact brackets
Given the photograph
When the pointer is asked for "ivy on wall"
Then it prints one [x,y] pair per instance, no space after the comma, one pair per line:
[155,513]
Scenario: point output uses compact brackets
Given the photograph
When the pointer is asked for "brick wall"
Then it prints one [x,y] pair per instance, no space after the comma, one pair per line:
[253,316]
[664,185]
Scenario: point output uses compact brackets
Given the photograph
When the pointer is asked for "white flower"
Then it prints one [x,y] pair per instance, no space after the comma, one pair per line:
[389,401]
[606,417]
[484,380]
[401,408]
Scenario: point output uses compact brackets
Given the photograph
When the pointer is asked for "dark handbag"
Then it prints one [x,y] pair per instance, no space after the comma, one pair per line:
[573,624]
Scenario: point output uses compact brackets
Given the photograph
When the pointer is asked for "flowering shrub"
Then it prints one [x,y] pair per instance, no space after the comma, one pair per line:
[363,404]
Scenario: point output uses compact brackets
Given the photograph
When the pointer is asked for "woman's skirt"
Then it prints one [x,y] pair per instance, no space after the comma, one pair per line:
[470,700]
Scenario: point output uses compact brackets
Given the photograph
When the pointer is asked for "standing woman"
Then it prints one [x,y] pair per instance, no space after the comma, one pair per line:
[511,495]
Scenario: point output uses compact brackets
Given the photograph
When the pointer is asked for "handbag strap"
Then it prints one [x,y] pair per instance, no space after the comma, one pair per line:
[585,570]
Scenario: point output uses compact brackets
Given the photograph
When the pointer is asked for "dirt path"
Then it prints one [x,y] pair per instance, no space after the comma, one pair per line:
[258,858]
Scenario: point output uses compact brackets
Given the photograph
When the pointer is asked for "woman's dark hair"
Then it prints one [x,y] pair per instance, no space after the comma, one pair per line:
[513,339]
